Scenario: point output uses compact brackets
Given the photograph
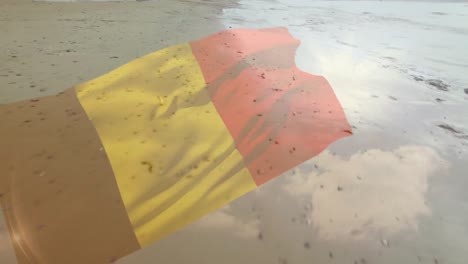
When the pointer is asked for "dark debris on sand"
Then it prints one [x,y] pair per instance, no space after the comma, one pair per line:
[438,84]
[455,131]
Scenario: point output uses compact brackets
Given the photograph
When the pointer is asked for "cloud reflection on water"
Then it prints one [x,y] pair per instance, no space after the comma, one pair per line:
[373,192]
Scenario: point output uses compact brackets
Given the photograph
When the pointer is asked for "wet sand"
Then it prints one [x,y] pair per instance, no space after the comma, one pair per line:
[394,192]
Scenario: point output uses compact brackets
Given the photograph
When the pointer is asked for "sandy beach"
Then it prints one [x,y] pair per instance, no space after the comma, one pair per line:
[394,192]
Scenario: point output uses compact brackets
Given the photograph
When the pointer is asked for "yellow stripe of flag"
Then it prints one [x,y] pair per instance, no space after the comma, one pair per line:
[172,155]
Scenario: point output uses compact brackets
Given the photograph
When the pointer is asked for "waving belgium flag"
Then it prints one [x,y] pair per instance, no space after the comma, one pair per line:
[111,165]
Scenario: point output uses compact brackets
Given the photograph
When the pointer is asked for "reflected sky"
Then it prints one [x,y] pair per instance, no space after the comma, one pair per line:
[373,205]
[367,196]
[394,192]
[373,192]
[373,54]
[224,220]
